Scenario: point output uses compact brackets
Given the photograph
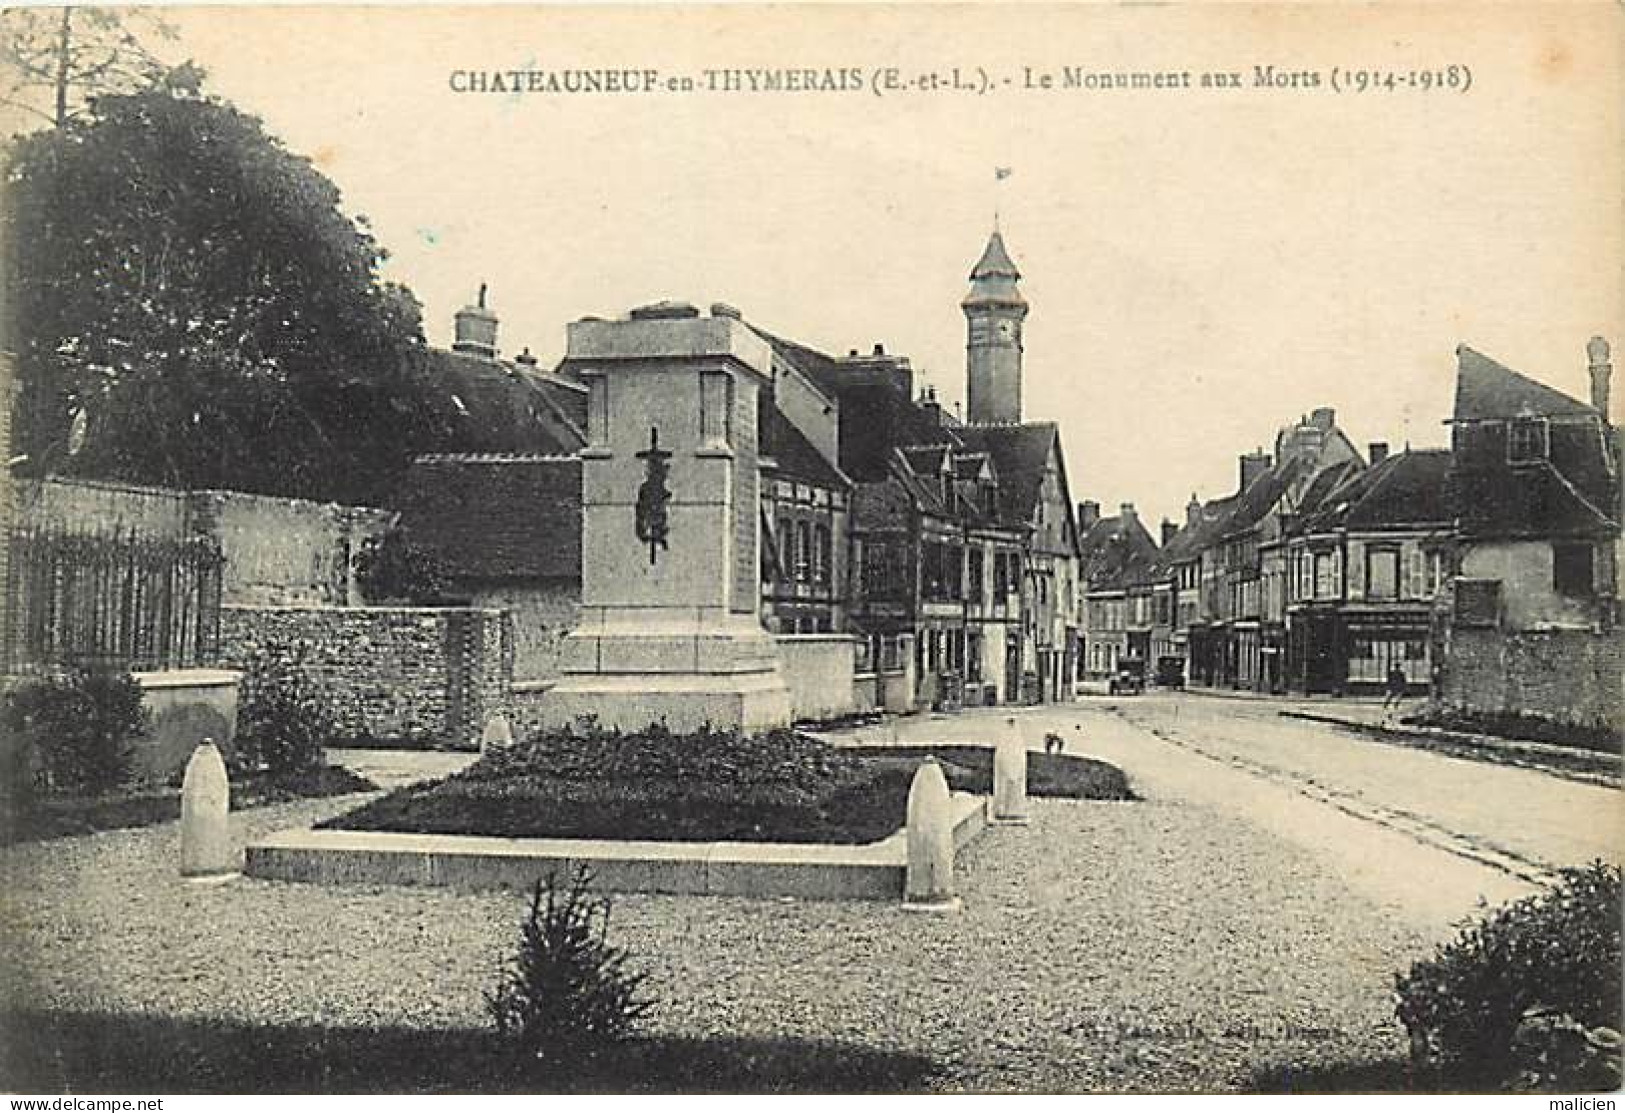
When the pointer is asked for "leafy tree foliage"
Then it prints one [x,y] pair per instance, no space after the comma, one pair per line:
[75,732]
[192,290]
[57,59]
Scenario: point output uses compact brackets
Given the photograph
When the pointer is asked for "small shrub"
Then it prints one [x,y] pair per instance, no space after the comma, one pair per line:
[395,567]
[1554,955]
[567,992]
[283,724]
[75,732]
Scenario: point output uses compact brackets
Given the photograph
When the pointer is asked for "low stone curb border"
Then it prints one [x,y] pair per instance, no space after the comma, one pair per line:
[811,871]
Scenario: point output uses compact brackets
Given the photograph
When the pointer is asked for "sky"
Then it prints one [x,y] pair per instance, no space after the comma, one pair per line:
[1203,265]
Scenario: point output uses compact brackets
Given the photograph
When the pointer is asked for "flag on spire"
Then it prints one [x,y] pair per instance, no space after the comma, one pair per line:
[1001,172]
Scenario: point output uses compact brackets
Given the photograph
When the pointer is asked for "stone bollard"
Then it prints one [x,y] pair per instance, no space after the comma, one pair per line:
[206,848]
[929,882]
[1010,777]
[497,735]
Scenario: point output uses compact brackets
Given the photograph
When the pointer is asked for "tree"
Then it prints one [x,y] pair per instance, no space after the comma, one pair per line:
[65,56]
[193,289]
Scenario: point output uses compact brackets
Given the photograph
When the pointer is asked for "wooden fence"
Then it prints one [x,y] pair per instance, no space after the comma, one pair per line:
[117,600]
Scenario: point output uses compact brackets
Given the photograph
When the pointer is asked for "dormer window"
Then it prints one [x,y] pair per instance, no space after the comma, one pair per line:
[1528,440]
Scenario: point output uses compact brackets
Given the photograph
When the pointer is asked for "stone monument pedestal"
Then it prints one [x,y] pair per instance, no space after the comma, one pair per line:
[670,628]
[688,668]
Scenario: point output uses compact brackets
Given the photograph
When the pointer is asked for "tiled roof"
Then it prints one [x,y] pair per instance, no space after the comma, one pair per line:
[495,517]
[568,397]
[1323,483]
[485,405]
[927,459]
[1209,526]
[924,487]
[1406,489]
[794,453]
[1115,553]
[1487,390]
[1530,502]
[822,369]
[1020,455]
[1264,492]
[1572,491]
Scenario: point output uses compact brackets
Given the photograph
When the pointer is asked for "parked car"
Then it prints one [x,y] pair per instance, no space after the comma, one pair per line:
[1170,672]
[1129,678]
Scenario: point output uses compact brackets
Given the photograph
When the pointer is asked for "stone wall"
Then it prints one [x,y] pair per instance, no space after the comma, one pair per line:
[1568,675]
[286,551]
[387,672]
[543,611]
[90,506]
[278,551]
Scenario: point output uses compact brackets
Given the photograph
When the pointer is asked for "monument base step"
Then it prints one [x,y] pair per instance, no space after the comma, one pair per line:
[747,702]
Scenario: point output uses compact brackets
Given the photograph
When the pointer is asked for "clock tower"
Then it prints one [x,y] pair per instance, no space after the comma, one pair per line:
[994,311]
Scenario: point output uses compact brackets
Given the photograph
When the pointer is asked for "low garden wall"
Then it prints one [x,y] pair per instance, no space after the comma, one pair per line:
[187,706]
[386,672]
[818,668]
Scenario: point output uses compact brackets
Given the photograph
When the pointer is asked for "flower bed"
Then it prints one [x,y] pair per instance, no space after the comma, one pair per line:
[707,787]
[54,817]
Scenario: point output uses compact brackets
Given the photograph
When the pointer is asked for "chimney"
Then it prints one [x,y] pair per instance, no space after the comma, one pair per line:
[1253,465]
[1323,419]
[475,329]
[723,309]
[929,403]
[1126,515]
[1168,531]
[1088,514]
[1601,372]
[1378,451]
[1193,510]
[526,360]
[880,349]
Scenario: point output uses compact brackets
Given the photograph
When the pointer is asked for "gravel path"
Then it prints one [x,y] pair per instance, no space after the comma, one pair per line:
[1141,946]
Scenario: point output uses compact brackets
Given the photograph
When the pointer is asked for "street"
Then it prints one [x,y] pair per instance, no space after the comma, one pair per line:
[1422,835]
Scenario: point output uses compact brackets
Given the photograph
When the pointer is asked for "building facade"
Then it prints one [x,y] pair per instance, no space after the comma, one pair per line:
[1363,568]
[1530,624]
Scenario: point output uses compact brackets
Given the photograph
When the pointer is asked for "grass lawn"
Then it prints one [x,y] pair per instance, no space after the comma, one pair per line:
[54,817]
[712,786]
[90,1053]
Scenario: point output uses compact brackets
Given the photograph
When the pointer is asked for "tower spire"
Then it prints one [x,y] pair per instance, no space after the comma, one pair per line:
[994,311]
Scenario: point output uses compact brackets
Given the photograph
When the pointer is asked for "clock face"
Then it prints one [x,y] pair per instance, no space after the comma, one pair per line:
[1006,330]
